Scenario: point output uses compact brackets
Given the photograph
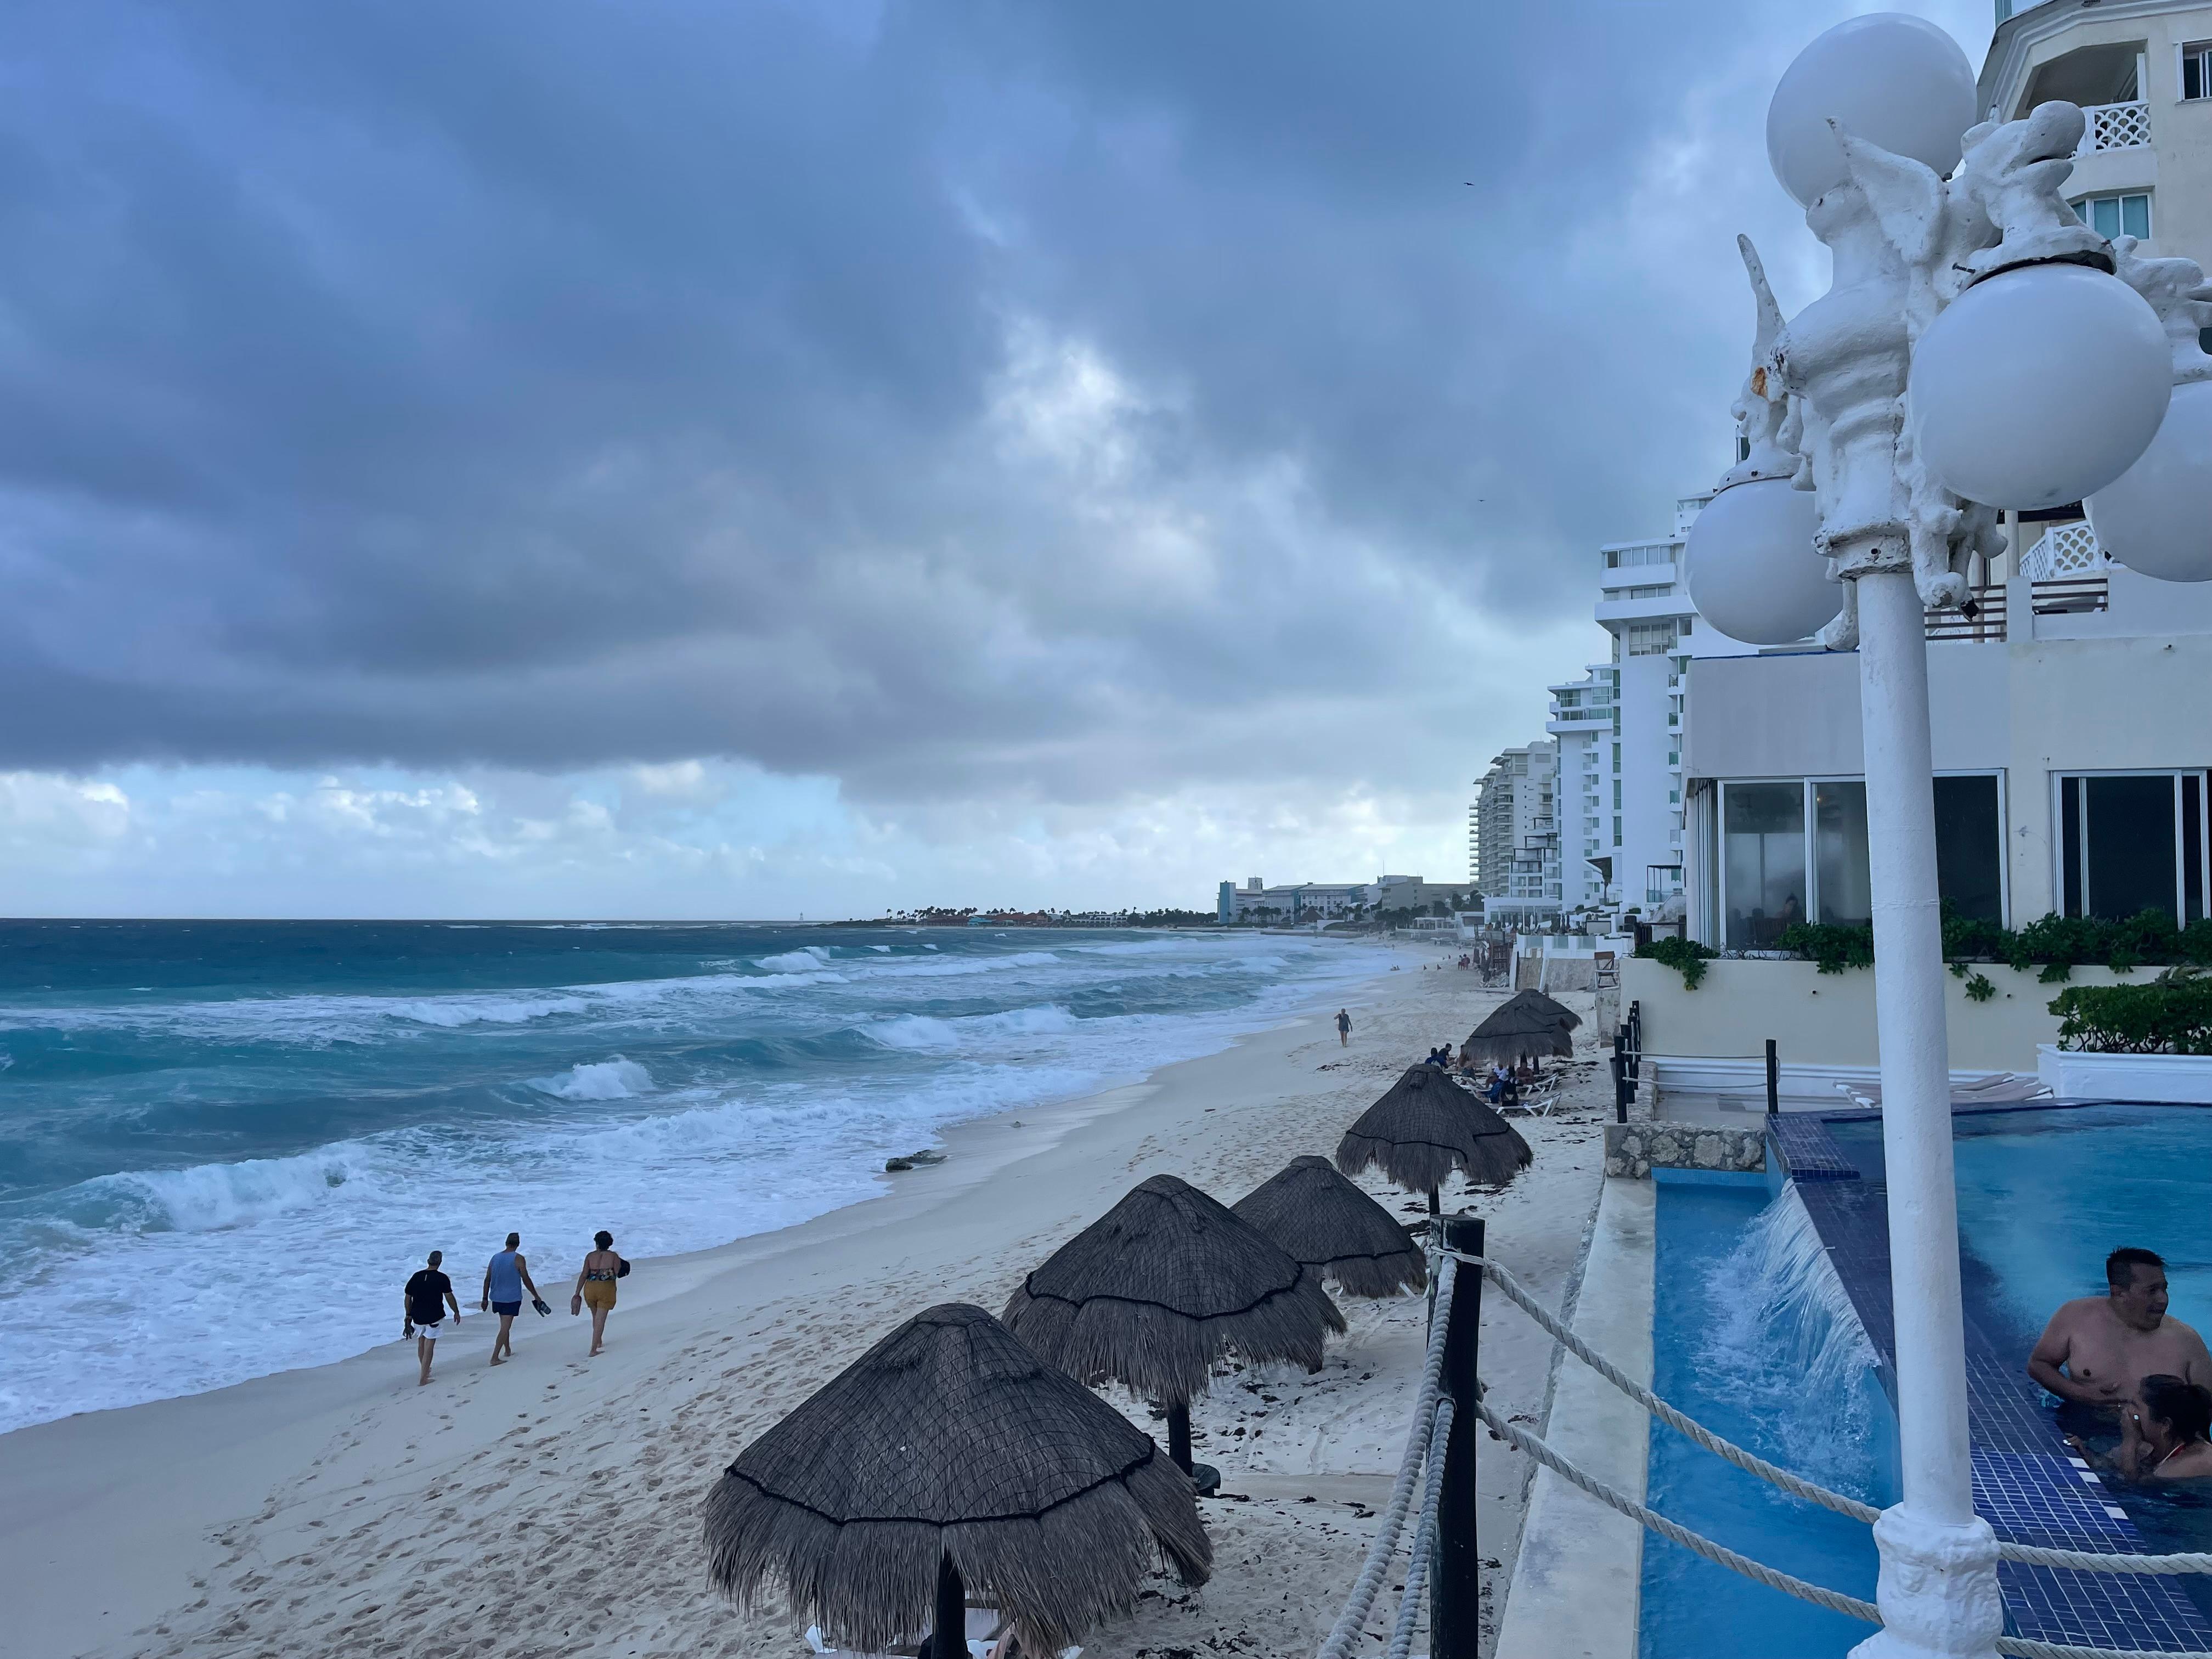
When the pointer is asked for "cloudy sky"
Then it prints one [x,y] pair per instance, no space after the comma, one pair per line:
[712,457]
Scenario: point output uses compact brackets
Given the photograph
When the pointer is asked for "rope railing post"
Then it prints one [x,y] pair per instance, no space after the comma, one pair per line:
[1455,1569]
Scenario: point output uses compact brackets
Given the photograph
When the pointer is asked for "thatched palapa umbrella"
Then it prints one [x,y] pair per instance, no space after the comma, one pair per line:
[1544,1005]
[1425,1127]
[1335,1231]
[1511,1034]
[950,1457]
[1156,1290]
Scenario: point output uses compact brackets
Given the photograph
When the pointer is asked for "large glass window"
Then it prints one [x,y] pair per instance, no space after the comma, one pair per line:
[1839,850]
[1970,848]
[2133,841]
[1796,849]
[1763,858]
[2117,215]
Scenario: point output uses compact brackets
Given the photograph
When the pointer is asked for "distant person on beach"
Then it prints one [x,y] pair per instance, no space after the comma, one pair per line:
[2165,1435]
[429,1294]
[595,1286]
[2107,1345]
[506,1279]
[1343,1028]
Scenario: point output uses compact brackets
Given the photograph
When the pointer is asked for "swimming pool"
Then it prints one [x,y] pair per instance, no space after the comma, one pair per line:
[1753,1336]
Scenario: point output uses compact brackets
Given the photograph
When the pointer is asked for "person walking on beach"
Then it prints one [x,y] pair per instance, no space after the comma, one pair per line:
[505,1281]
[1343,1028]
[429,1294]
[595,1286]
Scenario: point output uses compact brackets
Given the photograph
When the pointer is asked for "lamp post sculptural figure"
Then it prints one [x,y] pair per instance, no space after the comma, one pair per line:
[1904,391]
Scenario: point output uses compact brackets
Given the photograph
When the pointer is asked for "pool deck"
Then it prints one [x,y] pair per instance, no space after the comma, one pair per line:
[2027,1483]
[1577,1587]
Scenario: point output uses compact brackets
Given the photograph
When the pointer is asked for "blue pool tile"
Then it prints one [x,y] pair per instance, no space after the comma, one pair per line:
[1806,1149]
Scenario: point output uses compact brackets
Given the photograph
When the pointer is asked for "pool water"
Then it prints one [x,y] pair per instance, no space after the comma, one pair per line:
[1754,1337]
[2043,1196]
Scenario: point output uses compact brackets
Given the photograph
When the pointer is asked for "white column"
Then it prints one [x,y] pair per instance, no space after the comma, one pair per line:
[1938,1591]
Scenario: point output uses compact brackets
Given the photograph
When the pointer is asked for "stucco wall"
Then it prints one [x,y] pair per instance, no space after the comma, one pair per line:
[2026,710]
[1827,1019]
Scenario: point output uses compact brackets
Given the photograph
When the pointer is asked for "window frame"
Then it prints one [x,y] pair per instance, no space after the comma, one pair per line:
[2064,901]
[2119,198]
[2198,53]
[1808,783]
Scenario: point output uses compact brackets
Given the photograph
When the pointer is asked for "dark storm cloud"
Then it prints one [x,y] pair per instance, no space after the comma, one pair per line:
[945,397]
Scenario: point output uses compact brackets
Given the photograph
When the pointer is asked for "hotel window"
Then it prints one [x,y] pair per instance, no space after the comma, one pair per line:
[2117,215]
[1652,639]
[2132,842]
[2197,69]
[1796,848]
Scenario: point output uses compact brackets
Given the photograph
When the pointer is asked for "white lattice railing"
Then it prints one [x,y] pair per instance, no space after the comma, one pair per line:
[2064,549]
[2116,127]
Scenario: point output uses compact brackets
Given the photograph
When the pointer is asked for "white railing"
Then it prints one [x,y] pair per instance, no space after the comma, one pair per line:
[2064,549]
[2115,126]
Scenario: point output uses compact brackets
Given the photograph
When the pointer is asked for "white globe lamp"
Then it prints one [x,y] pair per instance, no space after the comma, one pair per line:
[1898,81]
[2038,385]
[2156,517]
[1751,566]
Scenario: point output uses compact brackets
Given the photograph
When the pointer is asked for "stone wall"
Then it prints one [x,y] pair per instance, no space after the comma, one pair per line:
[1634,1150]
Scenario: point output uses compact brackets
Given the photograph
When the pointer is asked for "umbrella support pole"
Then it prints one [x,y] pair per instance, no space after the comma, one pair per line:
[1455,1563]
[949,1639]
[1204,1476]
[1435,1203]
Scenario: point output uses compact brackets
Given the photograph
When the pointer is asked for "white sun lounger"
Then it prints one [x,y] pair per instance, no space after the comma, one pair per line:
[1998,1089]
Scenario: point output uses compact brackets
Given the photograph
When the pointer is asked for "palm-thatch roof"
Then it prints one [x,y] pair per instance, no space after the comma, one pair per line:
[1514,1033]
[1425,1127]
[950,1439]
[1335,1231]
[1544,1005]
[1163,1284]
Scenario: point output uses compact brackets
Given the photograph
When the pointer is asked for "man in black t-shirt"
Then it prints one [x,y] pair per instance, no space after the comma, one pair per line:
[429,1294]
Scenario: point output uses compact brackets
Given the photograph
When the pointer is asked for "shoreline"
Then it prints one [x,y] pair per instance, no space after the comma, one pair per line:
[301,1512]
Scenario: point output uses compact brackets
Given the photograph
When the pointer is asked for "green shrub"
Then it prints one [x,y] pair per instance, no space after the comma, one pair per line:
[2171,1015]
[1685,955]
[1832,947]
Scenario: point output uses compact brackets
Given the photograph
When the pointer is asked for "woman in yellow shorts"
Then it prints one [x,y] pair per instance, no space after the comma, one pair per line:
[595,1286]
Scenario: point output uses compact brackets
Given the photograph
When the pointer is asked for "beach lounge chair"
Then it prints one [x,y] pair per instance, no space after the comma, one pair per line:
[1997,1089]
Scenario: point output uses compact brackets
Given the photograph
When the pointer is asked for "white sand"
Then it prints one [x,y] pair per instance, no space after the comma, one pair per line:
[550,1506]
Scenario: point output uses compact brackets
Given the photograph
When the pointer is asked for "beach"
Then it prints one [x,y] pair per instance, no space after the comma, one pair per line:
[550,1506]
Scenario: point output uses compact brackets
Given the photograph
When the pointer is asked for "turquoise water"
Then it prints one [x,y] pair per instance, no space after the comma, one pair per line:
[2045,1195]
[224,1145]
[1752,1336]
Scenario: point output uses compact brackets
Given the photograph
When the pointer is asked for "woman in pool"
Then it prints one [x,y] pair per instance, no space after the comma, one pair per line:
[2167,1437]
[595,1286]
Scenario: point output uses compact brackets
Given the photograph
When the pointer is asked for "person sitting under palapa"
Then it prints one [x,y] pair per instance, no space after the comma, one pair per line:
[2165,1435]
[2098,1350]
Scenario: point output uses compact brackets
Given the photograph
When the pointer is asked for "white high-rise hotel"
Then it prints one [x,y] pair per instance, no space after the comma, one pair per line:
[2143,69]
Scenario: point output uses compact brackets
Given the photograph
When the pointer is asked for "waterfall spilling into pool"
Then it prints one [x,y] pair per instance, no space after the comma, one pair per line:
[1754,1336]
[1790,1342]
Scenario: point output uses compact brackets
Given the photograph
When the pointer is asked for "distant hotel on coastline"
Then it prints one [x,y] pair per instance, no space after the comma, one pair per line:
[1319,901]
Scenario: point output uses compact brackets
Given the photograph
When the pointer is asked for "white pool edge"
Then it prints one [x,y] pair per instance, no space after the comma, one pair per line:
[1575,1592]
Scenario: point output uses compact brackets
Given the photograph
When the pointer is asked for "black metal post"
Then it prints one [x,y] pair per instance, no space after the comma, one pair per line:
[1455,1563]
[1436,1204]
[1773,1080]
[1179,1436]
[949,1640]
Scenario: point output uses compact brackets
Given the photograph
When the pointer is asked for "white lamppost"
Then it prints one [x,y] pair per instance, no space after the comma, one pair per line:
[1974,353]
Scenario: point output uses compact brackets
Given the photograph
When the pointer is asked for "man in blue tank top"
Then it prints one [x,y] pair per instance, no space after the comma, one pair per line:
[506,1279]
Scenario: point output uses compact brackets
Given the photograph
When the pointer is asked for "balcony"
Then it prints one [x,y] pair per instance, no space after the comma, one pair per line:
[2115,126]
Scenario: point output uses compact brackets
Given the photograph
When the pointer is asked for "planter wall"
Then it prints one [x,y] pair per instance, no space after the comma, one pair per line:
[2183,1078]
[1826,1020]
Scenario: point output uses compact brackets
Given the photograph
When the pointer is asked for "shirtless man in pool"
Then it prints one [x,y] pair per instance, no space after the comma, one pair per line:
[2108,1343]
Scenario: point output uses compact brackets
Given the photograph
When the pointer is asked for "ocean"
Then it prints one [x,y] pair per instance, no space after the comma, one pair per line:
[224,1145]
